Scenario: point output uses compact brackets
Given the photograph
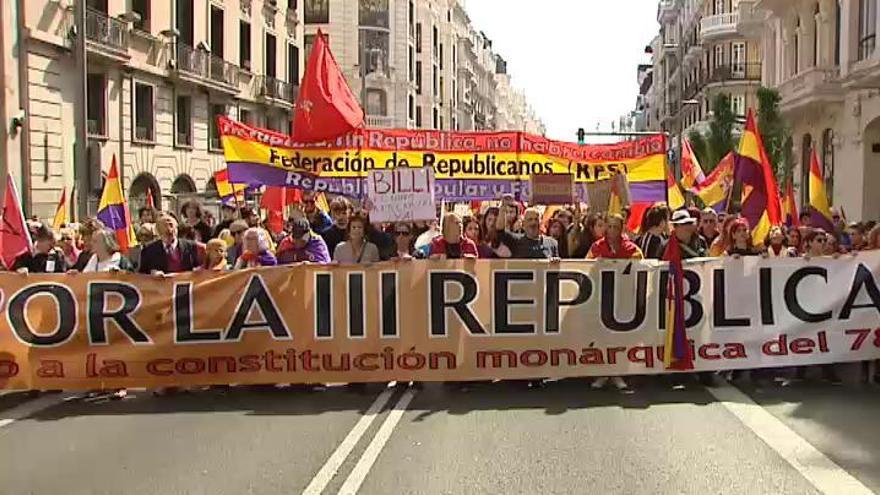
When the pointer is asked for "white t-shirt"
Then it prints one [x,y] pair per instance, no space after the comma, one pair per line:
[108,265]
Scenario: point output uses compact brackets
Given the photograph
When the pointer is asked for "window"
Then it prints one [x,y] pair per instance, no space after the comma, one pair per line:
[419,38]
[184,20]
[271,56]
[418,77]
[411,108]
[719,56]
[142,9]
[373,13]
[217,31]
[374,46]
[214,142]
[411,65]
[434,81]
[99,5]
[183,120]
[817,27]
[837,39]
[738,60]
[317,11]
[144,113]
[828,162]
[419,117]
[434,42]
[293,64]
[738,105]
[376,102]
[245,116]
[441,56]
[867,28]
[244,45]
[442,93]
[96,89]
[719,7]
[411,16]
[436,119]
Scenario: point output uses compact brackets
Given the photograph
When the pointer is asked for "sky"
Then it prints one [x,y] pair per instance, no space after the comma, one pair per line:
[574,59]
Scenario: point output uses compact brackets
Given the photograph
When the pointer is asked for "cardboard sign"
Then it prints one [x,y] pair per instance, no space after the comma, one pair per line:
[552,189]
[401,194]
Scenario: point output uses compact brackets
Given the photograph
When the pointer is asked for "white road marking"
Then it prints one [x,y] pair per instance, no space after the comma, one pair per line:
[28,408]
[335,461]
[362,468]
[816,467]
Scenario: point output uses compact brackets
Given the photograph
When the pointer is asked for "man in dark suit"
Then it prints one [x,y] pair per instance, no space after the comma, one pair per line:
[168,254]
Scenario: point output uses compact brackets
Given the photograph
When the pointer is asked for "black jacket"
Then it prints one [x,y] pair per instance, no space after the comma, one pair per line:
[36,263]
[154,257]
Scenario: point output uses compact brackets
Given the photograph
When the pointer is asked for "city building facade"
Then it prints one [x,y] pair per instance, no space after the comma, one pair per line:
[822,57]
[156,76]
[699,53]
[157,73]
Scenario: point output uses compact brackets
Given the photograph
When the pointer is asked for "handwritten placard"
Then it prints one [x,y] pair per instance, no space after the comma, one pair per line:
[401,194]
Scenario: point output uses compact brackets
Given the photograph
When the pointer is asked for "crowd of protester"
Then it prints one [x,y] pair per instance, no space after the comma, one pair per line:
[191,239]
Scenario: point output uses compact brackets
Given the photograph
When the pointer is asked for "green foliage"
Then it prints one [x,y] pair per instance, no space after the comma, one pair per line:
[719,141]
[774,132]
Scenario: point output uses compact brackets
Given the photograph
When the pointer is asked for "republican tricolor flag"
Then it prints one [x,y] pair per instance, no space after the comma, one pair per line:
[820,212]
[674,198]
[113,210]
[230,194]
[761,205]
[715,190]
[691,172]
[60,211]
[676,351]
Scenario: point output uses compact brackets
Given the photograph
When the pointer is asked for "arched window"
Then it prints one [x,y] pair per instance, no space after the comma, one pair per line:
[828,162]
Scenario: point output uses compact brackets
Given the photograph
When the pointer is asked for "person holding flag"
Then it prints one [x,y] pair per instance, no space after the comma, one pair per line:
[761,206]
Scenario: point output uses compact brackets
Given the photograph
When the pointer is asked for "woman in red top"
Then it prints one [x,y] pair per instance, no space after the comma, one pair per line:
[451,244]
[615,244]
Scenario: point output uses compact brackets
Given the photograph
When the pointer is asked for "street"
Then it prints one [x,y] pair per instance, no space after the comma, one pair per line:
[494,438]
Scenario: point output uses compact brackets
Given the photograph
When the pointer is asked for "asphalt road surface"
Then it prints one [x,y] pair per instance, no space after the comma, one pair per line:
[494,438]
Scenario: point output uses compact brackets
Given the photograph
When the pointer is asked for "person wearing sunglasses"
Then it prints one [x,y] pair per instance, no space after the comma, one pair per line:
[403,241]
[709,225]
[815,242]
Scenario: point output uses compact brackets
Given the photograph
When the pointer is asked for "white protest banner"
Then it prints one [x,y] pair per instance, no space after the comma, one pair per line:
[401,194]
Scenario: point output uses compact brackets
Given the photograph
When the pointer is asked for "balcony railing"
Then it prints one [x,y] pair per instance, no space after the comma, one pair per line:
[106,31]
[379,121]
[719,25]
[203,64]
[276,89]
[733,72]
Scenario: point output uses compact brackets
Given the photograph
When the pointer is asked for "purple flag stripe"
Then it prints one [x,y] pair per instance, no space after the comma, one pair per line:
[113,217]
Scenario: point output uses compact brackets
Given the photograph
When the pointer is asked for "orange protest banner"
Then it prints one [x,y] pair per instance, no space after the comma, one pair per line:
[428,320]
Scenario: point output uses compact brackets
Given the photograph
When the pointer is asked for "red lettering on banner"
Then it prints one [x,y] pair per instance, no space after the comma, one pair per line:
[704,352]
[802,346]
[50,368]
[153,367]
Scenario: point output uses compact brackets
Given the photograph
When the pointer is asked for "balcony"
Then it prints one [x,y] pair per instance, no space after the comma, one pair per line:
[380,121]
[201,66]
[277,90]
[733,73]
[809,88]
[667,11]
[106,35]
[719,26]
[752,20]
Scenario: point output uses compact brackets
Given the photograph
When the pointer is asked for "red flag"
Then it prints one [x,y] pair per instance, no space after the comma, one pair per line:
[150,202]
[15,239]
[274,200]
[326,107]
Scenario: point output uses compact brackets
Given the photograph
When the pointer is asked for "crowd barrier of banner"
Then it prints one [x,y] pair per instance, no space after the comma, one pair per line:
[467,165]
[429,321]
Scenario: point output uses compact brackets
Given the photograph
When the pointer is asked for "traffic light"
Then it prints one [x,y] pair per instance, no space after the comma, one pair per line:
[580,135]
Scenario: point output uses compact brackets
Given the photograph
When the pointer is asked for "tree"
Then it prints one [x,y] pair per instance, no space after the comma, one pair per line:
[774,132]
[718,142]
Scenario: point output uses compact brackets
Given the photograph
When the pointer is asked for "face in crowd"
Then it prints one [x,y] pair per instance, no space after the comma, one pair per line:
[740,232]
[614,227]
[402,236]
[817,243]
[356,231]
[452,227]
[215,251]
[531,223]
[599,228]
[167,229]
[472,230]
[308,201]
[251,241]
[709,222]
[776,236]
[340,216]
